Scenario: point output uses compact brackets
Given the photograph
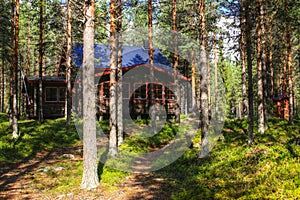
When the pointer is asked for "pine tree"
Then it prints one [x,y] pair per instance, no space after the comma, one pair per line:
[119,75]
[41,52]
[176,61]
[14,67]
[248,26]
[261,58]
[90,176]
[68,63]
[113,149]
[243,59]
[204,104]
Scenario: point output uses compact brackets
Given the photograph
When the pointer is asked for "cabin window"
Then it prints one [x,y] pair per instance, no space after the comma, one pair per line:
[55,94]
[169,94]
[140,91]
[106,90]
[158,91]
[62,94]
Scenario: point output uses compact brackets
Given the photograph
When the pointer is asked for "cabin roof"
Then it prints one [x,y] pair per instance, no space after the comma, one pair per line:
[279,97]
[132,56]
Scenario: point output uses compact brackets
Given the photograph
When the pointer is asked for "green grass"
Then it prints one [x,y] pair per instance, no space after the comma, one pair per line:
[34,138]
[268,169]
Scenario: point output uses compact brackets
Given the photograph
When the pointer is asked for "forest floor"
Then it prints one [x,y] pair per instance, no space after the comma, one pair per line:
[19,181]
[46,163]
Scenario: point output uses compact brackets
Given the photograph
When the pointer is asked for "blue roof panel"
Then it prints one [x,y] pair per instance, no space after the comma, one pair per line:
[132,55]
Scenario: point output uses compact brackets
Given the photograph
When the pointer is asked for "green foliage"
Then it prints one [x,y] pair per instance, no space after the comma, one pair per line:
[34,138]
[230,73]
[268,169]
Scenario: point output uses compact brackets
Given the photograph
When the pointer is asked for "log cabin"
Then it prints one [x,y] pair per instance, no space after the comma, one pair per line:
[137,95]
[281,106]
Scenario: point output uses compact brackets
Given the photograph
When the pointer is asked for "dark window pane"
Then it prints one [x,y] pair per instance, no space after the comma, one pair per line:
[140,91]
[106,90]
[51,94]
[62,94]
[158,91]
[169,94]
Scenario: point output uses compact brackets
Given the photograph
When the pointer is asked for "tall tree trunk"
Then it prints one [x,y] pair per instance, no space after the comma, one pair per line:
[150,29]
[14,77]
[40,105]
[271,53]
[176,62]
[27,72]
[12,61]
[193,79]
[243,60]
[119,75]
[260,65]
[248,27]
[68,64]
[290,73]
[151,61]
[216,76]
[204,105]
[193,67]
[270,69]
[2,78]
[283,74]
[90,176]
[113,150]
[216,60]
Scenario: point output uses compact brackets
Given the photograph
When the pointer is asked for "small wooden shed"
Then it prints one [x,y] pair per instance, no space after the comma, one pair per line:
[281,105]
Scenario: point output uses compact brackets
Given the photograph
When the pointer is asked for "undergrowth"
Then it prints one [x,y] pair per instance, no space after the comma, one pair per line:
[268,169]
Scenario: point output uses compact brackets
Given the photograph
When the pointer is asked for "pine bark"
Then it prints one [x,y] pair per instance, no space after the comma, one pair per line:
[193,67]
[113,150]
[290,73]
[119,75]
[289,66]
[216,60]
[40,109]
[176,62]
[68,63]
[90,176]
[150,29]
[2,78]
[248,27]
[243,60]
[151,61]
[193,79]
[283,78]
[204,104]
[12,61]
[14,78]
[260,65]
[27,72]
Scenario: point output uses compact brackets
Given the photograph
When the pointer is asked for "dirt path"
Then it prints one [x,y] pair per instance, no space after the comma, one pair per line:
[17,182]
